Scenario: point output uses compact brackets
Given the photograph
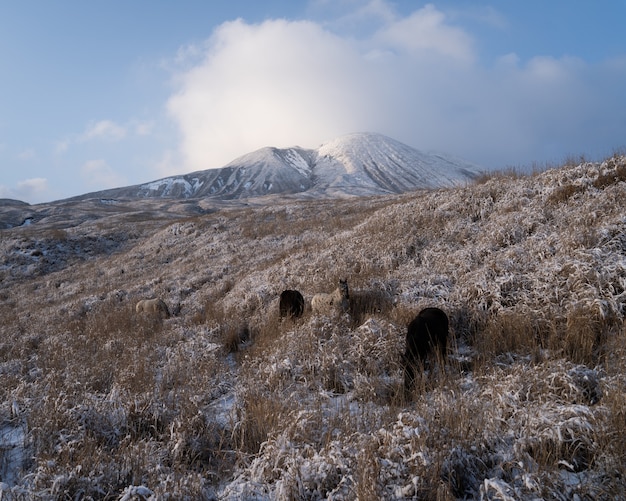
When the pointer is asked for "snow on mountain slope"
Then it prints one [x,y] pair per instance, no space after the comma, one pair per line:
[262,172]
[356,164]
[383,164]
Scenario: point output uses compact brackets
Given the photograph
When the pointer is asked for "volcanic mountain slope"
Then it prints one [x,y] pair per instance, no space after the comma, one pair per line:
[356,164]
[375,164]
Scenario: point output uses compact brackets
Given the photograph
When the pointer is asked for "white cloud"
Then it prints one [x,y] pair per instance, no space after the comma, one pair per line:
[62,146]
[99,175]
[287,83]
[107,131]
[104,129]
[143,128]
[27,155]
[426,31]
[170,164]
[417,78]
[34,186]
[30,190]
[354,16]
[275,83]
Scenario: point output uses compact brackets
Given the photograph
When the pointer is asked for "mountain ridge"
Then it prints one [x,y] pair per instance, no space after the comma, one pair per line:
[351,165]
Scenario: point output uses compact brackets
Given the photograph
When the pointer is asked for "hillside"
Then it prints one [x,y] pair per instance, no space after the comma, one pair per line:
[226,401]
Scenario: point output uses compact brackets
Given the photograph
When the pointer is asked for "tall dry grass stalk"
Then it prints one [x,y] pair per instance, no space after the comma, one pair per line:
[367,472]
[510,332]
[258,418]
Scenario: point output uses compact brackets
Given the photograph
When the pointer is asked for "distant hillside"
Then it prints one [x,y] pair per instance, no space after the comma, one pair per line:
[352,165]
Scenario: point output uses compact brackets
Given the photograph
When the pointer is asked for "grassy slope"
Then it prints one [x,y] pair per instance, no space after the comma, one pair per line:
[531,270]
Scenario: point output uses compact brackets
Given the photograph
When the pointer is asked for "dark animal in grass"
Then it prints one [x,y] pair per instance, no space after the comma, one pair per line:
[153,306]
[291,304]
[336,301]
[426,337]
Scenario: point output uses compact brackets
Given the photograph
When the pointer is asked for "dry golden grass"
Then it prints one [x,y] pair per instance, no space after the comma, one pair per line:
[226,393]
[259,417]
[367,471]
[564,193]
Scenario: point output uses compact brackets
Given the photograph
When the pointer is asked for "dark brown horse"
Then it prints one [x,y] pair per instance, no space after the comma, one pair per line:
[291,304]
[427,336]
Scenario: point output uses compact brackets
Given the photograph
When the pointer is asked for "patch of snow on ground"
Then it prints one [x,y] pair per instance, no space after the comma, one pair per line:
[12,454]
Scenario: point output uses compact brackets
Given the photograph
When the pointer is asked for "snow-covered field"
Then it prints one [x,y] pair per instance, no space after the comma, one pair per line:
[224,400]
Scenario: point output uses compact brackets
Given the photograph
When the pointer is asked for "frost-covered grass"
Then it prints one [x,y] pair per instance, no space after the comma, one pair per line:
[227,401]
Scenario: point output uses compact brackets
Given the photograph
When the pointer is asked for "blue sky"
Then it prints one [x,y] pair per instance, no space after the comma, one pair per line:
[96,95]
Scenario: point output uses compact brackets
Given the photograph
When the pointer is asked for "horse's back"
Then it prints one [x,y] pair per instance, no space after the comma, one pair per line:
[153,306]
[291,303]
[427,331]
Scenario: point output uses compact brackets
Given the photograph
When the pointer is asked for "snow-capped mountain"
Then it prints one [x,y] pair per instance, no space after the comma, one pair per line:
[373,163]
[356,164]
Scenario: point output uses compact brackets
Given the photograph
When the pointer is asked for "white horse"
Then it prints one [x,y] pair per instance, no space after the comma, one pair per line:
[338,300]
[153,306]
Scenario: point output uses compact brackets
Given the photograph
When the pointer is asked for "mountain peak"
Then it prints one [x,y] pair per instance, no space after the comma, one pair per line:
[358,139]
[393,166]
[363,163]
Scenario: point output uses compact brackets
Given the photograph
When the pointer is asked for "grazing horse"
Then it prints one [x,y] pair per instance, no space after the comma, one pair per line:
[339,299]
[426,335]
[291,304]
[153,306]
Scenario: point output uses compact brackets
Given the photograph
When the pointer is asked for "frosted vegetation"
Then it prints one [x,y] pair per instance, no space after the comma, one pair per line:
[223,400]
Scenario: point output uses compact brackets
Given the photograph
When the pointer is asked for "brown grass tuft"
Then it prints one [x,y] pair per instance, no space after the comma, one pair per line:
[258,416]
[508,332]
[563,193]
